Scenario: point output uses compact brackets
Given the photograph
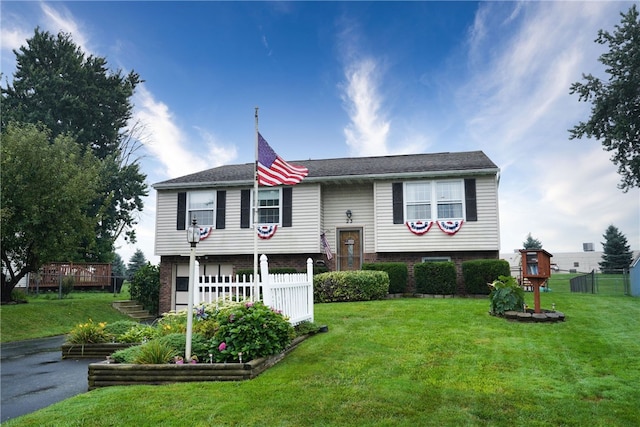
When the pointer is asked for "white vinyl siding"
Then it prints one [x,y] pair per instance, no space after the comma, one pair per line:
[482,234]
[302,237]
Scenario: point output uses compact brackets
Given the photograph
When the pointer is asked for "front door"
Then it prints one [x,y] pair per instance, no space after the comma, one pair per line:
[350,249]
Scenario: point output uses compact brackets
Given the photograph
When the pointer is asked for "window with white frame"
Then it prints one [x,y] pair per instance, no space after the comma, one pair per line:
[417,201]
[201,206]
[269,206]
[449,194]
[425,200]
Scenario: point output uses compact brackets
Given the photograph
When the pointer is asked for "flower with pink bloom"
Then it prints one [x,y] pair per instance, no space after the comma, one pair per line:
[248,304]
[222,346]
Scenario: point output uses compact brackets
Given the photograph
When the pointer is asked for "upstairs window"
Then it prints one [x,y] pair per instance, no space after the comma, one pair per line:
[418,201]
[269,206]
[201,206]
[449,199]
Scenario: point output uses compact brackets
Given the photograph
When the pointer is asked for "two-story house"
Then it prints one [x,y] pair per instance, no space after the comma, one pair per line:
[409,208]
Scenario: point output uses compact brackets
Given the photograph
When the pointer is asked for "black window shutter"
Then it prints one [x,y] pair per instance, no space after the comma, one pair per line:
[245,208]
[221,206]
[182,212]
[470,199]
[398,205]
[287,206]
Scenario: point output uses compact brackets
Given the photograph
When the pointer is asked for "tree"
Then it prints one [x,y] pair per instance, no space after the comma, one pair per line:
[118,268]
[136,262]
[617,253]
[531,243]
[70,93]
[45,188]
[615,112]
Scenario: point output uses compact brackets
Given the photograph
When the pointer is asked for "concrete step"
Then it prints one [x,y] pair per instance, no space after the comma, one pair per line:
[133,310]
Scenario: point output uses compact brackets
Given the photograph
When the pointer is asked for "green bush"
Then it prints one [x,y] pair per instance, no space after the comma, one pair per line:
[306,327]
[68,282]
[139,333]
[126,355]
[116,329]
[397,271]
[200,345]
[252,329]
[145,287]
[477,274]
[506,295]
[154,352]
[437,278]
[340,286]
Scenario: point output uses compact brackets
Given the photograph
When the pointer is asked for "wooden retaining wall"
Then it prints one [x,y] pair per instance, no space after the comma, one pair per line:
[105,374]
[92,351]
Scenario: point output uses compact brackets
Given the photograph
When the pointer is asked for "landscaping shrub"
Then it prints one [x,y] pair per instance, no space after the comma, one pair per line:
[145,287]
[436,278]
[154,352]
[306,327]
[397,271]
[68,282]
[201,347]
[339,286]
[126,355]
[139,333]
[88,333]
[506,295]
[116,329]
[251,329]
[477,274]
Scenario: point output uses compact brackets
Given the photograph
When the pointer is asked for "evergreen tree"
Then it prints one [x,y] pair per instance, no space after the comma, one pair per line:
[531,243]
[617,253]
[136,262]
[118,268]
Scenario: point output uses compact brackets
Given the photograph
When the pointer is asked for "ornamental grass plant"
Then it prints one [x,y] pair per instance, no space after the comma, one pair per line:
[412,362]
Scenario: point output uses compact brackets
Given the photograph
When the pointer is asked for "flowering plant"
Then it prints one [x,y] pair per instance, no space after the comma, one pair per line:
[88,333]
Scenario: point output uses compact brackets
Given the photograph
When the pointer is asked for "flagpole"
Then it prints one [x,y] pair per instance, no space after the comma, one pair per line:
[256,283]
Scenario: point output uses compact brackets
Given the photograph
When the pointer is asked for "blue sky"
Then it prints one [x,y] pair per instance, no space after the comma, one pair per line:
[340,79]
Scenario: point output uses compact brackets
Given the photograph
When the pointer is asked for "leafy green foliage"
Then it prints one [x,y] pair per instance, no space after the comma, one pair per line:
[306,327]
[88,333]
[126,355]
[397,271]
[138,333]
[115,329]
[478,274]
[617,252]
[437,278]
[68,282]
[615,112]
[40,180]
[145,287]
[340,286]
[506,294]
[72,94]
[201,347]
[250,328]
[155,352]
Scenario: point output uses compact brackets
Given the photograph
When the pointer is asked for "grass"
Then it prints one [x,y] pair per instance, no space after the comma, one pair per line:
[406,362]
[46,315]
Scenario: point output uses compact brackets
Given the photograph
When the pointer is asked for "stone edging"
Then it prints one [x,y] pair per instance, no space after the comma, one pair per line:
[105,374]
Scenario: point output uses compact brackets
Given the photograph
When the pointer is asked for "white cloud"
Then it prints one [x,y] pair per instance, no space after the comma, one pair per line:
[167,142]
[60,19]
[518,109]
[368,131]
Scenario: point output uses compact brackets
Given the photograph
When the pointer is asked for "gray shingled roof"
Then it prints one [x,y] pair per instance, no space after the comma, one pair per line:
[349,168]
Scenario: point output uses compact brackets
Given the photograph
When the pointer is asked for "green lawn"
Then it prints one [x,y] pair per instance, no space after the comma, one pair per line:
[46,315]
[409,362]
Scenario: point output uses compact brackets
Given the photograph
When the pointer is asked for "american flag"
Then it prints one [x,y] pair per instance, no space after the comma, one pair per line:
[325,245]
[272,170]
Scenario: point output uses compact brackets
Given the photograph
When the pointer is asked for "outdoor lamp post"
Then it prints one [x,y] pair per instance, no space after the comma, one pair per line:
[193,237]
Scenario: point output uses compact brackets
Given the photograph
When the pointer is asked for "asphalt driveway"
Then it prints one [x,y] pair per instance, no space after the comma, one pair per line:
[34,376]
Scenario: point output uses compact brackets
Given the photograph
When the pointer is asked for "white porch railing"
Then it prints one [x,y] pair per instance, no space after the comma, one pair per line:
[292,294]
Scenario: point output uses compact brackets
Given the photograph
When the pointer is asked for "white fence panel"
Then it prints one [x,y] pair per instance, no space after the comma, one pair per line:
[291,294]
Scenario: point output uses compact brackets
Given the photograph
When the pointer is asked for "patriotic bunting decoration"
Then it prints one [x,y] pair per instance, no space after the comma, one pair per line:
[266,231]
[450,227]
[419,227]
[205,232]
[272,170]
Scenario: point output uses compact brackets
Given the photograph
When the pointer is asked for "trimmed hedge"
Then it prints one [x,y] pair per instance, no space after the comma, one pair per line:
[341,286]
[437,278]
[477,274]
[397,271]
